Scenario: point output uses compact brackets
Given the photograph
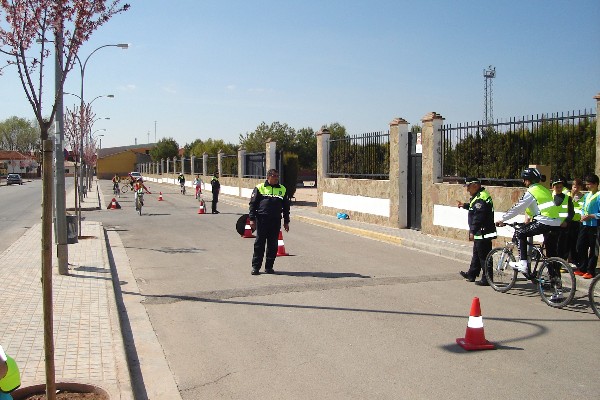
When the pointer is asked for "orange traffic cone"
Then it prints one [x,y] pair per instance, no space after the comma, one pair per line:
[475,337]
[114,204]
[202,208]
[248,230]
[281,246]
[160,196]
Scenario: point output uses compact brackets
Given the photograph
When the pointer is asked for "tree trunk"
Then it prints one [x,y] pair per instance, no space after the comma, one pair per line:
[47,181]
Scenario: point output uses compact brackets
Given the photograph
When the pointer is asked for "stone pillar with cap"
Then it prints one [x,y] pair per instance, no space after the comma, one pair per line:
[399,154]
[432,167]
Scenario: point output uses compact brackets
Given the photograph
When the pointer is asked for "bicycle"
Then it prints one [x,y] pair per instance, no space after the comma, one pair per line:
[594,295]
[553,276]
[182,189]
[116,190]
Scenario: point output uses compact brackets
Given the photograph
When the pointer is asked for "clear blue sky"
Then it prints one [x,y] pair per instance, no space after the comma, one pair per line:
[217,69]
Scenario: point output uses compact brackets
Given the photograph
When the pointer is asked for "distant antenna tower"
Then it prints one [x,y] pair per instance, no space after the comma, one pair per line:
[489,74]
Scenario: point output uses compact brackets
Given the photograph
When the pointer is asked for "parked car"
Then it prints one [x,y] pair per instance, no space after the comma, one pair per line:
[135,175]
[14,178]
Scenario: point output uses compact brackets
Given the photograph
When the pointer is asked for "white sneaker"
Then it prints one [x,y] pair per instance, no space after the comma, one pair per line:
[556,297]
[518,266]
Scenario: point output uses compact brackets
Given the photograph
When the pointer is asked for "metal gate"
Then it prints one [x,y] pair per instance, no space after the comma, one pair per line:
[414,180]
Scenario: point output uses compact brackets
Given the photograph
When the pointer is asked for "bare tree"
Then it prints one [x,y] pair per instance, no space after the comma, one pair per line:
[25,29]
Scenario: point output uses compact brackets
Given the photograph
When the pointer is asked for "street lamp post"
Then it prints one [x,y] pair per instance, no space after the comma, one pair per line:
[100,136]
[82,66]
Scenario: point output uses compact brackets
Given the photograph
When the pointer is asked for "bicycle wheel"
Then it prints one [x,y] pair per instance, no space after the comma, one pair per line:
[594,295]
[124,188]
[500,275]
[138,205]
[556,282]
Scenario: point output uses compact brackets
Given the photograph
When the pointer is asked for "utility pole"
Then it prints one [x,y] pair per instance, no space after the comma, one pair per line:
[60,222]
[154,131]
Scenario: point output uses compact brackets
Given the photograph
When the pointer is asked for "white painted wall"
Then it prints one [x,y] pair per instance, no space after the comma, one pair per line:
[363,204]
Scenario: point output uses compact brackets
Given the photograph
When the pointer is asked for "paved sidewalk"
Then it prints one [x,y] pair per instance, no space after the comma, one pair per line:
[87,338]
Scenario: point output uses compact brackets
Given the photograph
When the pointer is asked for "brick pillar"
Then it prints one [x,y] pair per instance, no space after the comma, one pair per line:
[168,169]
[432,167]
[192,162]
[205,164]
[399,154]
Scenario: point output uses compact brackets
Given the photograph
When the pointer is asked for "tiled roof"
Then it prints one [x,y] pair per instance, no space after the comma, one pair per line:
[14,155]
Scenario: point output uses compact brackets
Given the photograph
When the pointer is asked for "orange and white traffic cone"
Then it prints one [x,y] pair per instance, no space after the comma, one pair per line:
[114,204]
[202,208]
[281,246]
[160,196]
[248,230]
[475,337]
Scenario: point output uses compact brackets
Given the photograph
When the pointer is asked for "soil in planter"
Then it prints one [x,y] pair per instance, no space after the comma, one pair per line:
[66,395]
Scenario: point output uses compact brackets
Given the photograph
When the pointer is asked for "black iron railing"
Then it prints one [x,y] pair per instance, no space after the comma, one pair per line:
[360,156]
[500,151]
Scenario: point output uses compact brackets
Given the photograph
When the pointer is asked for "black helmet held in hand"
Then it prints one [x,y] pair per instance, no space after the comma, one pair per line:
[533,175]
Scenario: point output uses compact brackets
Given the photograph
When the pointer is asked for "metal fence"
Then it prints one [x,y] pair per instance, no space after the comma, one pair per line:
[229,165]
[255,165]
[360,156]
[499,152]
[198,165]
[212,165]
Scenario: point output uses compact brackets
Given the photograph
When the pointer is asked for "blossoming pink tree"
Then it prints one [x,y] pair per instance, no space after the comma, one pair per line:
[29,29]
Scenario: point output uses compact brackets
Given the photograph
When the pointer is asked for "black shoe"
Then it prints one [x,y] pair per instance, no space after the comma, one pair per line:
[482,283]
[255,271]
[467,276]
[269,270]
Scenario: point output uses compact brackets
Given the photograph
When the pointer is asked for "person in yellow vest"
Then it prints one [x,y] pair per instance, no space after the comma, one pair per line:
[538,202]
[268,203]
[481,228]
[10,379]
[576,196]
[587,242]
[566,214]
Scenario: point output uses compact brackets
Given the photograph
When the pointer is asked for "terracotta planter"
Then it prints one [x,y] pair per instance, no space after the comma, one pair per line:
[24,392]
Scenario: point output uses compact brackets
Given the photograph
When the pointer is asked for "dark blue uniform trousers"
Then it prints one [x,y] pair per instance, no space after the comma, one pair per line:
[267,232]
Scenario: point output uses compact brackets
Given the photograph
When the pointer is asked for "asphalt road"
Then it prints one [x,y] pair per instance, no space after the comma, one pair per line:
[344,317]
[20,209]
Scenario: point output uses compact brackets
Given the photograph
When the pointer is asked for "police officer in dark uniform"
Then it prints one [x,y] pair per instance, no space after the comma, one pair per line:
[215,187]
[267,204]
[481,228]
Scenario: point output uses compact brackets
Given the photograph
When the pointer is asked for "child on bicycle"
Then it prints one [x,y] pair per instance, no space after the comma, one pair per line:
[198,185]
[181,179]
[116,180]
[138,189]
[539,205]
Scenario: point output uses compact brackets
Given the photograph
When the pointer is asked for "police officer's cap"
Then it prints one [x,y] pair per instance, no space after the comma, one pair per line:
[558,180]
[471,180]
